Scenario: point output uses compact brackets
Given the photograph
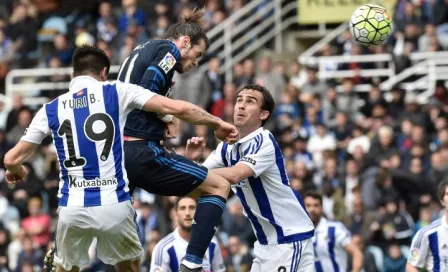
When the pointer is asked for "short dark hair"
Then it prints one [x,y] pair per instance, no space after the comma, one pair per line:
[189,25]
[176,204]
[89,59]
[315,195]
[268,101]
[441,189]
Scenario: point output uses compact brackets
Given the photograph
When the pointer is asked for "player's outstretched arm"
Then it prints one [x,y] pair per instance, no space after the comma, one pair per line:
[195,149]
[192,114]
[357,256]
[235,173]
[14,159]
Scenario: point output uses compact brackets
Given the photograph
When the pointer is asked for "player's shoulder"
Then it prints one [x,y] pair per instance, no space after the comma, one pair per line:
[221,146]
[430,229]
[166,242]
[336,224]
[268,140]
[117,85]
[166,47]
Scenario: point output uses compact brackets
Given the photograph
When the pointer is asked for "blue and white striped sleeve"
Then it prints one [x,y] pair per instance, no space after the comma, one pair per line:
[260,154]
[217,159]
[343,235]
[133,96]
[160,259]
[419,250]
[38,129]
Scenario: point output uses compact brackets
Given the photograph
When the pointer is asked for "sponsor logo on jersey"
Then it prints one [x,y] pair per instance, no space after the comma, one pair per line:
[167,63]
[75,182]
[249,160]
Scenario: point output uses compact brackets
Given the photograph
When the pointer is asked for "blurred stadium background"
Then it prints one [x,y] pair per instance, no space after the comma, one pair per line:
[382,152]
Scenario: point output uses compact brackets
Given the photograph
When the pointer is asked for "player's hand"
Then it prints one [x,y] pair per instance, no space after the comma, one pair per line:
[195,148]
[170,130]
[17,176]
[227,133]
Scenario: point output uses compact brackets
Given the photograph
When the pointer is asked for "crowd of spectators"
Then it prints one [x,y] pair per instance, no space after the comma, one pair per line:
[376,161]
[44,33]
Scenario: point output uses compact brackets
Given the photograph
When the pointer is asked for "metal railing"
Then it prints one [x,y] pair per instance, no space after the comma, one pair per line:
[428,67]
[237,38]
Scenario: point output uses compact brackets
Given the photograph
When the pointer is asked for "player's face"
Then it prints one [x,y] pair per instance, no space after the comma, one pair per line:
[185,213]
[314,209]
[247,111]
[190,56]
[445,198]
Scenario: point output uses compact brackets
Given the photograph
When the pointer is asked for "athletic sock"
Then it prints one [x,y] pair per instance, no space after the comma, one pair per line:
[205,223]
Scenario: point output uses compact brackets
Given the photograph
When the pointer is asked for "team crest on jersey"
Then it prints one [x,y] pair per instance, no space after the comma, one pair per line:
[80,93]
[167,63]
[242,184]
[158,269]
[414,254]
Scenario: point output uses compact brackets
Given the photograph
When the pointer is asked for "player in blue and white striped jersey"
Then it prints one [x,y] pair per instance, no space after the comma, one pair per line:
[87,126]
[255,167]
[429,249]
[331,240]
[169,252]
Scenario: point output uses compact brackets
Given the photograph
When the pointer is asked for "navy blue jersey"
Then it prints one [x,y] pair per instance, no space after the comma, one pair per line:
[150,65]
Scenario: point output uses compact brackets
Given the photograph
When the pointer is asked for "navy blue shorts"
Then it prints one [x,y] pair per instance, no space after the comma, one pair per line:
[152,168]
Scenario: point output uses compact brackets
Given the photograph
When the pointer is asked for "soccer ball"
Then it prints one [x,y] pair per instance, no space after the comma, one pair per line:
[370,25]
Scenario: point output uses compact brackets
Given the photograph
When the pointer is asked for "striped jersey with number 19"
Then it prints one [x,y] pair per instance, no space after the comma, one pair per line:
[87,127]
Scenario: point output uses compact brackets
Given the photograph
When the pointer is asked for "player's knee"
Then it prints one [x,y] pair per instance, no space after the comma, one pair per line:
[223,187]
[216,185]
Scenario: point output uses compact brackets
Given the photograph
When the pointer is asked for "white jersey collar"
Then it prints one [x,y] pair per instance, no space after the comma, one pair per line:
[178,237]
[81,82]
[251,135]
[322,223]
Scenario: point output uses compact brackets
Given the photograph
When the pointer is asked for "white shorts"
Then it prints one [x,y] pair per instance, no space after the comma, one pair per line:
[292,257]
[113,226]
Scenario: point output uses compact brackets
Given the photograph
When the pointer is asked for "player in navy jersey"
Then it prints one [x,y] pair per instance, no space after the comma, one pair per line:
[87,126]
[150,167]
[429,248]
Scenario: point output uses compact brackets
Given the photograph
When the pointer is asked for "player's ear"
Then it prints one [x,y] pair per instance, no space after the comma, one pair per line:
[103,74]
[264,115]
[186,42]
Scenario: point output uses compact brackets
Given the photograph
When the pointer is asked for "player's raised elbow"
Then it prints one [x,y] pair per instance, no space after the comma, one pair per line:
[10,160]
[233,179]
